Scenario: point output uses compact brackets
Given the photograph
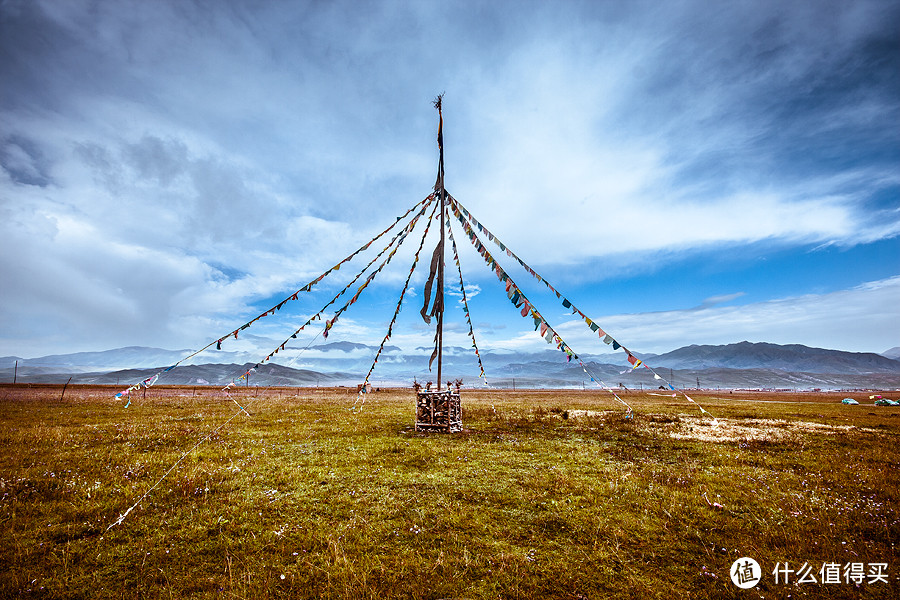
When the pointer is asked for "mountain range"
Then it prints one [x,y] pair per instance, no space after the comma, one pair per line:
[739,365]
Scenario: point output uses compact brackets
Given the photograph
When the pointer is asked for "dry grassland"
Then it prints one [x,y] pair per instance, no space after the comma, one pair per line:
[546,494]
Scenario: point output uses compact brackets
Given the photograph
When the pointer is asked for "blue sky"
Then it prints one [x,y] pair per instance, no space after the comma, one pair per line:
[686,172]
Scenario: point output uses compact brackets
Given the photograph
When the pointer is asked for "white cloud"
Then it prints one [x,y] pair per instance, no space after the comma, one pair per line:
[860,319]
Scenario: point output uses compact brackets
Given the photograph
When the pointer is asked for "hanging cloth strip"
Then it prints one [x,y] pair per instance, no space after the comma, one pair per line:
[361,393]
[277,307]
[465,302]
[550,335]
[398,239]
[437,307]
[470,223]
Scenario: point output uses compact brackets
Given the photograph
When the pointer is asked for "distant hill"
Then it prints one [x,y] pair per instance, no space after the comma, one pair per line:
[793,357]
[893,353]
[208,374]
[351,346]
[129,357]
[743,364]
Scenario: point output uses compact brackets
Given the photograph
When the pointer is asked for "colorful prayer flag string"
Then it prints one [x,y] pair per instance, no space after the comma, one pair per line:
[470,223]
[397,239]
[387,336]
[540,323]
[465,302]
[306,288]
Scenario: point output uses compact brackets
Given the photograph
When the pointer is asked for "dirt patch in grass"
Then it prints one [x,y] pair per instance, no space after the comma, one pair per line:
[736,430]
[580,414]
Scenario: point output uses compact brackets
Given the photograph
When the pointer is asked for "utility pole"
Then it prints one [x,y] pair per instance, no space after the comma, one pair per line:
[16,372]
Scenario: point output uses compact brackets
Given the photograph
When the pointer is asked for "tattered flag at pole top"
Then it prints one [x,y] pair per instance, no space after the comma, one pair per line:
[440,136]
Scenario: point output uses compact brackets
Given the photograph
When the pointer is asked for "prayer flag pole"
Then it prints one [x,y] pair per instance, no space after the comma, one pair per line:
[438,409]
[439,187]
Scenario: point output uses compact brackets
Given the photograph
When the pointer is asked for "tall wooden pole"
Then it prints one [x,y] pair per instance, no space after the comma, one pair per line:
[440,273]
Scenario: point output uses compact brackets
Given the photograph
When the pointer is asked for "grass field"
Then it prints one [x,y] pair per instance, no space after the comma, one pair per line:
[546,494]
